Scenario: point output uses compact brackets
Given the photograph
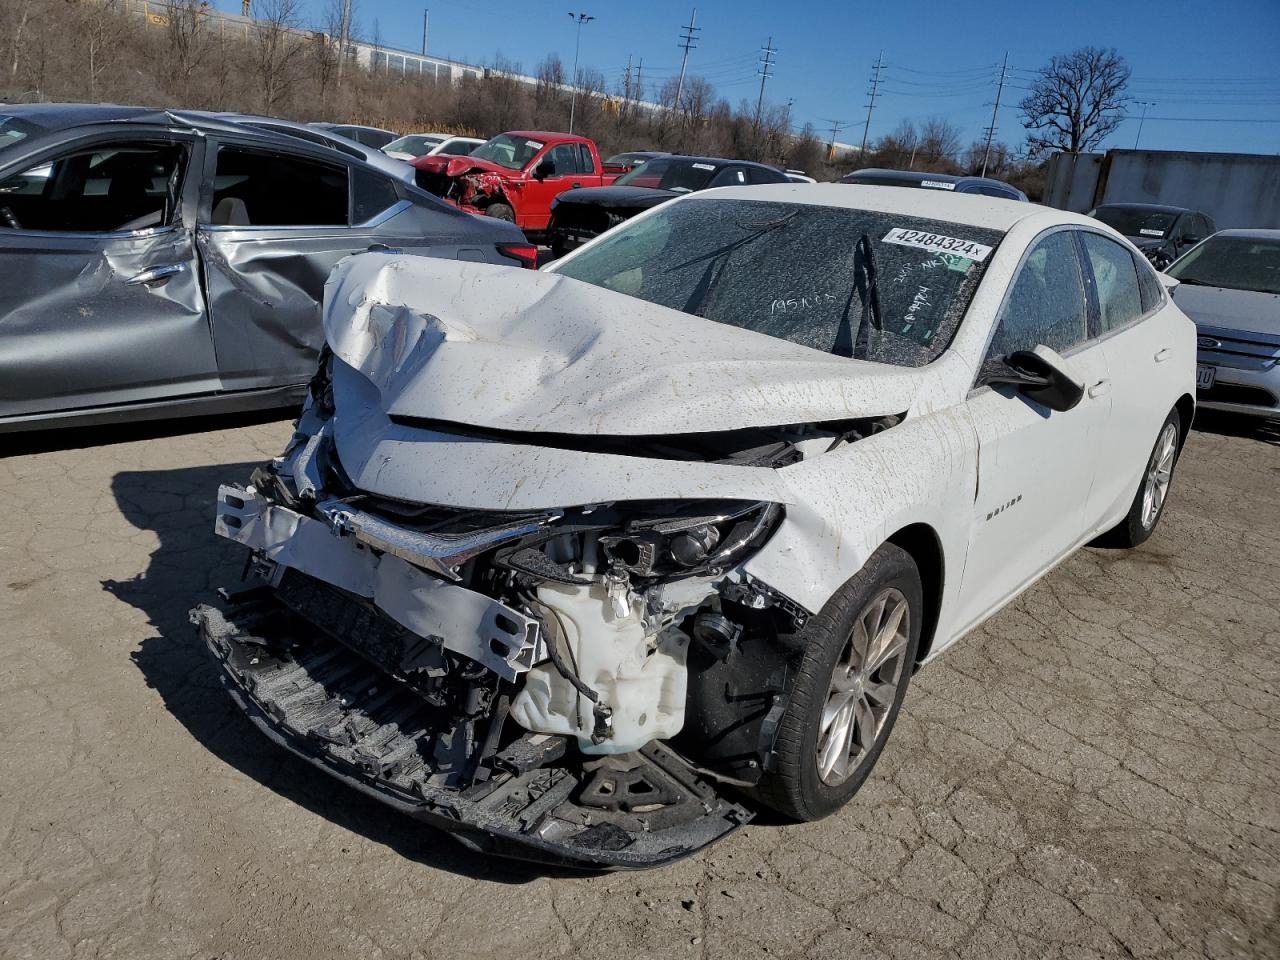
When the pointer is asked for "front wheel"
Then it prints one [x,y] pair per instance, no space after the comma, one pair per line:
[500,211]
[1153,492]
[858,656]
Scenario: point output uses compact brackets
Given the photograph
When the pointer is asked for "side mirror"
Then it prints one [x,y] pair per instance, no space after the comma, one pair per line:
[1190,238]
[547,168]
[1041,375]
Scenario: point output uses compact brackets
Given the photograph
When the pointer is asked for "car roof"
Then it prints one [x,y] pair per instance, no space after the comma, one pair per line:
[1250,233]
[994,213]
[546,135]
[917,176]
[718,161]
[1153,207]
[327,125]
[62,116]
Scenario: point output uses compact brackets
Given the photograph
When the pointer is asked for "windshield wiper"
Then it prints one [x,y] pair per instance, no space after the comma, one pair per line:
[872,304]
[1193,282]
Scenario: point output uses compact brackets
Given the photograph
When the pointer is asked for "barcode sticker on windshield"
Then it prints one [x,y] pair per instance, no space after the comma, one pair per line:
[704,166]
[536,144]
[936,243]
[937,184]
[1151,233]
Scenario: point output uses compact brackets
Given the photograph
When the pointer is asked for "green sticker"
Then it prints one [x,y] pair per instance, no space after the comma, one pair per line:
[955,262]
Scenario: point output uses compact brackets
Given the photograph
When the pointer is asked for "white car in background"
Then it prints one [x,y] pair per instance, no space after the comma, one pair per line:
[583,564]
[429,144]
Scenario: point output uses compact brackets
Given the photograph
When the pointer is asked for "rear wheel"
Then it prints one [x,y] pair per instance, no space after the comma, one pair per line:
[500,211]
[858,656]
[1153,492]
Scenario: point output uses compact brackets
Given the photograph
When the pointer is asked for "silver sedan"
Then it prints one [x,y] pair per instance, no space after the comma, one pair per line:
[1230,286]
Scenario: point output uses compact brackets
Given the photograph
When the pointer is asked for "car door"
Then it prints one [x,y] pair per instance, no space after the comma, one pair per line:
[1036,466]
[100,299]
[1139,349]
[273,223]
[563,174]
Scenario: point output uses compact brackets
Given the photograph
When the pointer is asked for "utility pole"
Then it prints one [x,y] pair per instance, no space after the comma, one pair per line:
[991,130]
[639,82]
[626,86]
[766,63]
[1141,120]
[831,144]
[687,42]
[790,102]
[579,19]
[425,12]
[875,87]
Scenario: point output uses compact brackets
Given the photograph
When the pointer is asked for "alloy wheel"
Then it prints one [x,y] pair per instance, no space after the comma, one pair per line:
[863,686]
[1159,474]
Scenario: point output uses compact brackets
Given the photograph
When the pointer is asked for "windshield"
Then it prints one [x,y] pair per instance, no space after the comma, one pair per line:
[13,130]
[1238,263]
[872,286]
[508,151]
[680,176]
[414,144]
[1136,222]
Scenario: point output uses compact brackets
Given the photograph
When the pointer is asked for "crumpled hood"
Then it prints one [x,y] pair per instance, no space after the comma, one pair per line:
[510,349]
[455,166]
[1247,311]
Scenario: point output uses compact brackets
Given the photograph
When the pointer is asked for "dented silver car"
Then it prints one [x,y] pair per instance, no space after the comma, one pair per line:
[584,565]
[163,263]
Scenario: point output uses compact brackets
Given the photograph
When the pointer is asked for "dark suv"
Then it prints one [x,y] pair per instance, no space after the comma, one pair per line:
[1161,232]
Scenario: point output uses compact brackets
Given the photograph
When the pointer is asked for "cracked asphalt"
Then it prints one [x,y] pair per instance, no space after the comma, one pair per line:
[1092,774]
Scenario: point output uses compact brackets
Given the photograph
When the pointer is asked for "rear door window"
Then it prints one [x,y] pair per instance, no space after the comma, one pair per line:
[371,194]
[110,187]
[1115,280]
[270,189]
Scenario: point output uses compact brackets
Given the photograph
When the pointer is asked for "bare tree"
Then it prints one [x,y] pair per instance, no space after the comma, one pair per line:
[279,48]
[99,32]
[189,43]
[939,141]
[1075,101]
[22,14]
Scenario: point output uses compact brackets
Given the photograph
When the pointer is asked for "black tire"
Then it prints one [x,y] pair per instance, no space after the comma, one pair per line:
[500,211]
[794,786]
[1135,529]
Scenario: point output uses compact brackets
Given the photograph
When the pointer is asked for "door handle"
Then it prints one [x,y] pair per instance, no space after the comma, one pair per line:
[575,184]
[157,275]
[1162,355]
[1100,389]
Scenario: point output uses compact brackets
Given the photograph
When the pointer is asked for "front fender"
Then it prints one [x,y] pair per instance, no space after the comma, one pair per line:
[848,502]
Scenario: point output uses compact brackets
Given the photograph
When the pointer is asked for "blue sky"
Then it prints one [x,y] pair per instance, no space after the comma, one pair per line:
[1215,62]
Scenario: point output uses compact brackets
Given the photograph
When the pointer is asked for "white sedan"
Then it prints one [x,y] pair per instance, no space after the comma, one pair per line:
[686,510]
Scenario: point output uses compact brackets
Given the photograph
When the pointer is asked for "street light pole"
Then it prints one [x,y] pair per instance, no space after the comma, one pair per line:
[425,11]
[579,19]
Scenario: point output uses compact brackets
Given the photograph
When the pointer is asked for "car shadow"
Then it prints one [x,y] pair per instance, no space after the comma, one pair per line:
[186,567]
[1232,425]
[77,438]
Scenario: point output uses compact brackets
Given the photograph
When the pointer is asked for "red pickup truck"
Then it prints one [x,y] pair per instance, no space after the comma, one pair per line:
[516,175]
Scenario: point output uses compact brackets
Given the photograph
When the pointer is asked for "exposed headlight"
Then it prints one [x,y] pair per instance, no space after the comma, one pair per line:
[690,538]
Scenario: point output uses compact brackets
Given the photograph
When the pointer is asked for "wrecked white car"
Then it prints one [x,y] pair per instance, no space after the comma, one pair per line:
[584,564]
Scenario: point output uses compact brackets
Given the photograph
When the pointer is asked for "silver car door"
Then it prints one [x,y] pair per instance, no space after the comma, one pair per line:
[100,299]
